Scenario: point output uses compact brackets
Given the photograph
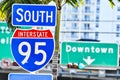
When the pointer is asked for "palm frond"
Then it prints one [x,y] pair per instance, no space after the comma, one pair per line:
[74,3]
[2,4]
[6,8]
[111,3]
[7,5]
[34,2]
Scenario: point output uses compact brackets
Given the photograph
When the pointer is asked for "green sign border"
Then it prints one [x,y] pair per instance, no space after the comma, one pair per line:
[117,60]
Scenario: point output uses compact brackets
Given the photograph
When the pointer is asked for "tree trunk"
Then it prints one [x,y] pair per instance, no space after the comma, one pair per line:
[56,52]
[57,31]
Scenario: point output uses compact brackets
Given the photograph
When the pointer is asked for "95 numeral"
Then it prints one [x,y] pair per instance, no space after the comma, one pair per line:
[28,52]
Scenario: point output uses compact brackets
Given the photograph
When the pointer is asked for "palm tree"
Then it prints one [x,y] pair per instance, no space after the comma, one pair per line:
[2,16]
[6,6]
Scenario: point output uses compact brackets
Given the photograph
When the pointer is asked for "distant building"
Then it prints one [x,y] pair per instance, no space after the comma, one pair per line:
[109,22]
[95,20]
[82,22]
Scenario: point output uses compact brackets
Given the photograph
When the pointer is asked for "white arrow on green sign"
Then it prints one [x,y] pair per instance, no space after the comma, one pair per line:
[90,53]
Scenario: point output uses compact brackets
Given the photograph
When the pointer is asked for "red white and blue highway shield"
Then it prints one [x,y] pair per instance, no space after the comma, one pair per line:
[32,49]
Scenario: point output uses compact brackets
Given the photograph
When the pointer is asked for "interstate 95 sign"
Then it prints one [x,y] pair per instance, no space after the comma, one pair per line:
[32,49]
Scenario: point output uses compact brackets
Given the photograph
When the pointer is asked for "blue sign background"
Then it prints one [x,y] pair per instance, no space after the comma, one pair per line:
[33,7]
[29,76]
[30,66]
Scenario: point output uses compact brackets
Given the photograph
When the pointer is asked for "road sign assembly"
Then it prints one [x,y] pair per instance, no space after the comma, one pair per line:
[32,49]
[90,54]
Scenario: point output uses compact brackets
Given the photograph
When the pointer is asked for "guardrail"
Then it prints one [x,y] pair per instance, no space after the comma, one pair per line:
[103,73]
[91,72]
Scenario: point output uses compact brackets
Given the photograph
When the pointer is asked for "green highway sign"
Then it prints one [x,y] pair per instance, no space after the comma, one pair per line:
[90,54]
[5,36]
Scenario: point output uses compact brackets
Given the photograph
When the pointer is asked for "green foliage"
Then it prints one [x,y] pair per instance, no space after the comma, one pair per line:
[74,3]
[111,3]
[6,5]
[6,8]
